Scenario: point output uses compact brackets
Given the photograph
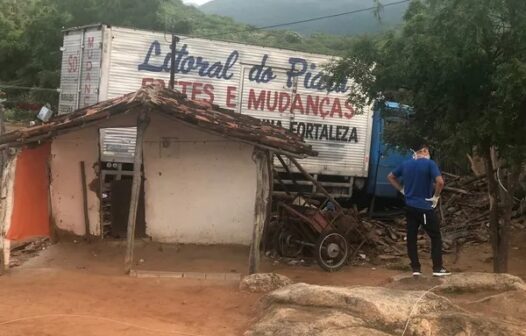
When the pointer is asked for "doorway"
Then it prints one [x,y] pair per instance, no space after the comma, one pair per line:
[117,153]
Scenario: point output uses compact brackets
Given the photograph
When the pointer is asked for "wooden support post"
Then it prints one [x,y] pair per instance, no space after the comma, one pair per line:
[270,169]
[261,157]
[6,210]
[85,200]
[286,167]
[142,123]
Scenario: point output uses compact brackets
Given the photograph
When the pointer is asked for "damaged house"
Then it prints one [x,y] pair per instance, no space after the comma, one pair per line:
[199,174]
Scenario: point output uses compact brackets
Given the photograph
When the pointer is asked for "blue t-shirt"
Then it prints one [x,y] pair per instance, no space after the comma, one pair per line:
[418,178]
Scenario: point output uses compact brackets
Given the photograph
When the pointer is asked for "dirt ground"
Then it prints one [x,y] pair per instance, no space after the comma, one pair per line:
[80,289]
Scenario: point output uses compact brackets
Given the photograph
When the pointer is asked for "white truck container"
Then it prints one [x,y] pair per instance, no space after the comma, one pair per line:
[281,86]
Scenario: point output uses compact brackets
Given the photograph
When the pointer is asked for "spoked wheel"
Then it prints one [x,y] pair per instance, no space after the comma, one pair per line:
[332,251]
[286,243]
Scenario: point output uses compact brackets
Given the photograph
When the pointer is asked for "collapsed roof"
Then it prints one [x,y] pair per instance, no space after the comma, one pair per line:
[175,105]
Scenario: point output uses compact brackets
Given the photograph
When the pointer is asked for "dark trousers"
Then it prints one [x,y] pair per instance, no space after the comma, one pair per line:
[429,221]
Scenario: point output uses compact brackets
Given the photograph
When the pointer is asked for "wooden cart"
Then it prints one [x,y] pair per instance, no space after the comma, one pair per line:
[322,226]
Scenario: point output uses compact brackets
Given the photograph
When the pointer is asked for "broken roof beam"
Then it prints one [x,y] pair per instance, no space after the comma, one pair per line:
[318,185]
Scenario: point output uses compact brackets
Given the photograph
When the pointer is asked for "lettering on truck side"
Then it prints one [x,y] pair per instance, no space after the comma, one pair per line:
[185,63]
[316,103]
[315,131]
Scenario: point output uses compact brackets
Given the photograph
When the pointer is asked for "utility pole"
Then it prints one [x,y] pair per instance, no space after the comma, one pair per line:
[175,39]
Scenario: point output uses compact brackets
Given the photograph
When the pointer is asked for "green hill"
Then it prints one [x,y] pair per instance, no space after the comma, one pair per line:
[269,12]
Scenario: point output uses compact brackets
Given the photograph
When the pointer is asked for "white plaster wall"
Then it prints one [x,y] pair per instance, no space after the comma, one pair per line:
[66,189]
[67,151]
[199,188]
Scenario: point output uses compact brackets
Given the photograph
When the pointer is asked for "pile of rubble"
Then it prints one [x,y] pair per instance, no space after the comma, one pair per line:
[463,211]
[25,250]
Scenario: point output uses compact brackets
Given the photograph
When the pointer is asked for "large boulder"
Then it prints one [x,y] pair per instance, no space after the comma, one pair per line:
[507,306]
[264,282]
[381,307]
[460,324]
[310,321]
[310,310]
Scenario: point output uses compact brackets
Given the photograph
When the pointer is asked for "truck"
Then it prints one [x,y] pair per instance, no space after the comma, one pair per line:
[279,86]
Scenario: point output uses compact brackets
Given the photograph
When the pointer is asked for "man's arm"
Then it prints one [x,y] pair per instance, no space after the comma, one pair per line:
[394,182]
[437,176]
[439,185]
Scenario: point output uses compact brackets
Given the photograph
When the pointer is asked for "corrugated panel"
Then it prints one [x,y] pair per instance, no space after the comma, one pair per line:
[69,74]
[90,74]
[118,144]
[81,58]
[142,57]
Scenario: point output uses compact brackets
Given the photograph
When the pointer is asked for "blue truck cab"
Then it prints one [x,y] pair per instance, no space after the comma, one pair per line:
[384,157]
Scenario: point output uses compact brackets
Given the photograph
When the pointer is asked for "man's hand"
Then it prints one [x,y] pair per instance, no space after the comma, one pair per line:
[434,201]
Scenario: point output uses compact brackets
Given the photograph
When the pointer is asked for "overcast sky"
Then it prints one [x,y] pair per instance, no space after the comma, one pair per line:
[195,2]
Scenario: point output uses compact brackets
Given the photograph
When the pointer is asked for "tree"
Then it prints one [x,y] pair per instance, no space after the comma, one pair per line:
[461,64]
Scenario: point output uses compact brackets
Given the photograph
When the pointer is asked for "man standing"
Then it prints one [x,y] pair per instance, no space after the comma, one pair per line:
[422,185]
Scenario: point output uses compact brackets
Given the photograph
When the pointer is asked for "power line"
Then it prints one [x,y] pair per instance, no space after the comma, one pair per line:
[241,31]
[301,21]
[27,88]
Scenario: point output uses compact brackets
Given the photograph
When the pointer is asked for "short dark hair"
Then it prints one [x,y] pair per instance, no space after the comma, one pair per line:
[419,145]
[423,146]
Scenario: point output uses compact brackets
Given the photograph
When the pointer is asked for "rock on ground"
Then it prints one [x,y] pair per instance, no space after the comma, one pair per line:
[291,321]
[474,282]
[302,309]
[460,324]
[509,306]
[462,282]
[381,306]
[264,282]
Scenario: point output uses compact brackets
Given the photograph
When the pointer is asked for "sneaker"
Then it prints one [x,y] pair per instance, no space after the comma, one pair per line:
[417,272]
[441,272]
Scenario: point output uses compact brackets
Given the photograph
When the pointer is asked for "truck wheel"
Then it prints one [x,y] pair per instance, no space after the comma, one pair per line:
[332,251]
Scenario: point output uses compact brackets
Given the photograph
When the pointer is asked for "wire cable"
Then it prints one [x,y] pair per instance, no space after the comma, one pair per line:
[251,29]
[301,21]
[415,305]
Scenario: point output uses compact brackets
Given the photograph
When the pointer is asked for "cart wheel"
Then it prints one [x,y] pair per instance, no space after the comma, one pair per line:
[286,245]
[332,251]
